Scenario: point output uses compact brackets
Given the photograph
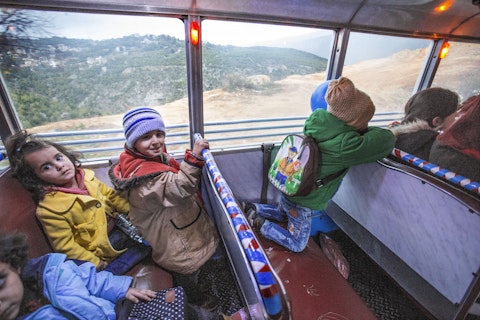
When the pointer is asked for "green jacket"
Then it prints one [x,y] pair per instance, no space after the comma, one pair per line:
[341,146]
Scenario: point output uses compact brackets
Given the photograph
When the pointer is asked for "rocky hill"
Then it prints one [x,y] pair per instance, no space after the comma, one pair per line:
[58,78]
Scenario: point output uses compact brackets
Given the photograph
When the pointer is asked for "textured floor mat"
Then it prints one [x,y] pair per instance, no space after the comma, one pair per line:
[218,273]
[380,292]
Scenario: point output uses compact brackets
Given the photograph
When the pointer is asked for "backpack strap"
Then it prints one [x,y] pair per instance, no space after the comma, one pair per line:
[267,149]
[321,182]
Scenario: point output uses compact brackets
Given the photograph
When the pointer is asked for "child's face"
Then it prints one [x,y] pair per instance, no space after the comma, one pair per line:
[292,154]
[151,144]
[53,167]
[11,292]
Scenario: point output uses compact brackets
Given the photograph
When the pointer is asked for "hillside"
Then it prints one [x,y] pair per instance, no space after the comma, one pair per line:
[388,81]
[58,78]
[220,105]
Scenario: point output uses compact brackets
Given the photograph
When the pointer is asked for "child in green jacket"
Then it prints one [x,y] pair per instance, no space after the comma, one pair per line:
[345,139]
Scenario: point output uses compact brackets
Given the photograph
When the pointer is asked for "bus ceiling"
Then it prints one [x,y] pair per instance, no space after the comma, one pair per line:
[450,19]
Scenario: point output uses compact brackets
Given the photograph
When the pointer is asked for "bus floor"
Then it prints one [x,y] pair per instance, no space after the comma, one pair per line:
[385,298]
[217,272]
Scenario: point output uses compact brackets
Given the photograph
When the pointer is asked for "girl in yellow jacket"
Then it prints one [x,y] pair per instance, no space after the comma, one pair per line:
[72,204]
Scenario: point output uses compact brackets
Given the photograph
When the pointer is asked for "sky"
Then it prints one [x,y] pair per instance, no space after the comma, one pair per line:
[99,27]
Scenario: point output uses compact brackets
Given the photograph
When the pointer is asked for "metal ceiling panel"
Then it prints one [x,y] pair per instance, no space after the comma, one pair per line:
[432,18]
[453,19]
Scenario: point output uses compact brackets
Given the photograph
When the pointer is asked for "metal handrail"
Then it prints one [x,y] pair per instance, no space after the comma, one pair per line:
[105,143]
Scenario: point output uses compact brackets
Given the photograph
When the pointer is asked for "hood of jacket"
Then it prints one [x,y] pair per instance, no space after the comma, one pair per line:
[410,127]
[341,146]
[323,126]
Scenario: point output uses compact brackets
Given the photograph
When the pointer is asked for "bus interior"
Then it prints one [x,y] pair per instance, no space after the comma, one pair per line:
[241,74]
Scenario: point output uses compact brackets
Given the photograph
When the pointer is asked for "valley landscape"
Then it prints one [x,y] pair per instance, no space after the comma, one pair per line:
[388,81]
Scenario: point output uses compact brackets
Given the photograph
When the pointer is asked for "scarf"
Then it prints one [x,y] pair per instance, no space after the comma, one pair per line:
[133,164]
[82,189]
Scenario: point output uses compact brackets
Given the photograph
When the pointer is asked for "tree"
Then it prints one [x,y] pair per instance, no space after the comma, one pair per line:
[17,28]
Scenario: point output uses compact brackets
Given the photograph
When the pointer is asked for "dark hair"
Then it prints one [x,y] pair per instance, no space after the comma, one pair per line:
[21,144]
[14,249]
[430,103]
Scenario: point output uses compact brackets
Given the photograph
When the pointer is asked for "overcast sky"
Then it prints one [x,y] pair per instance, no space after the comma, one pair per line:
[99,27]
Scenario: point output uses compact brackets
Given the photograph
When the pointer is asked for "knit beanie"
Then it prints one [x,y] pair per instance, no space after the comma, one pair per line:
[347,103]
[430,103]
[317,101]
[139,121]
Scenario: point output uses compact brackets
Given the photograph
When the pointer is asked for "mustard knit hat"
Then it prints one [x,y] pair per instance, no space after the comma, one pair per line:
[347,103]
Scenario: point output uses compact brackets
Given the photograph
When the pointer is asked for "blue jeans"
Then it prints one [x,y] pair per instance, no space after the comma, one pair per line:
[299,218]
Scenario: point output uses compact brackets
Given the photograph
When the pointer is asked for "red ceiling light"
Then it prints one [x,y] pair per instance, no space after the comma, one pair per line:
[444,50]
[194,33]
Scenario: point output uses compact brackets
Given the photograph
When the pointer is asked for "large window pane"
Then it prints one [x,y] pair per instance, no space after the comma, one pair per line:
[80,72]
[460,70]
[385,67]
[259,71]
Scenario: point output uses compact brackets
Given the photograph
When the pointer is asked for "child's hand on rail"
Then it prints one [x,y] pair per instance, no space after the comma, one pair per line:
[200,145]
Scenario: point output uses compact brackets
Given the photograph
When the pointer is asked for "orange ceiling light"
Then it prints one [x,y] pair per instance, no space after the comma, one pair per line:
[444,6]
[444,50]
[194,33]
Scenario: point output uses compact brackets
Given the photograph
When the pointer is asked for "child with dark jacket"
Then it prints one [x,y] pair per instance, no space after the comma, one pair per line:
[427,113]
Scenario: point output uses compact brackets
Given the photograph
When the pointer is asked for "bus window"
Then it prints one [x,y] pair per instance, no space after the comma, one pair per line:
[460,70]
[72,76]
[262,72]
[385,67]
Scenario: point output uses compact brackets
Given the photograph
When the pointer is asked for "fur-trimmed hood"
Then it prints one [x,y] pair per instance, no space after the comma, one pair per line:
[133,169]
[410,127]
[415,137]
[125,184]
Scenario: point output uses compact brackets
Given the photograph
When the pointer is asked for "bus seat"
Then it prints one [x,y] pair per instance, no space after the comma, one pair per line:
[17,213]
[326,293]
[312,284]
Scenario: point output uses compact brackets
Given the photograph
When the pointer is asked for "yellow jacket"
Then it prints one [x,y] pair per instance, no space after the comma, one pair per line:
[76,225]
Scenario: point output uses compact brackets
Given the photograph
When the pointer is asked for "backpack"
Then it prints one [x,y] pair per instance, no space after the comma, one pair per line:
[294,169]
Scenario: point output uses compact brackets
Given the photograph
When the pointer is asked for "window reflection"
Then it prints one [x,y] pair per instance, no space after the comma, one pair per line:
[385,67]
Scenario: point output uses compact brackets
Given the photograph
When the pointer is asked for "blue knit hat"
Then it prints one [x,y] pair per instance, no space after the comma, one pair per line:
[139,121]
[318,97]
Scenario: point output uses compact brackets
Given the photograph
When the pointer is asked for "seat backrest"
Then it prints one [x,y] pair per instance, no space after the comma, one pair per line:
[17,213]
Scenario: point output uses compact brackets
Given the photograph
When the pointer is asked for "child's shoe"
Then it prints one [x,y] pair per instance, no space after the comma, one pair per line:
[255,220]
